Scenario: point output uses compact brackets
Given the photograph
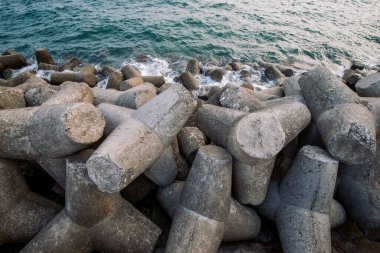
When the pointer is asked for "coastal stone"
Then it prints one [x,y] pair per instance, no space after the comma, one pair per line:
[57,78]
[143,137]
[193,67]
[132,98]
[245,74]
[240,98]
[357,65]
[114,115]
[274,91]
[22,213]
[107,71]
[71,92]
[217,74]
[183,166]
[188,81]
[45,66]
[130,83]
[346,127]
[248,86]
[242,223]
[264,96]
[86,68]
[369,86]
[273,73]
[115,79]
[12,98]
[291,87]
[129,71]
[43,56]
[199,221]
[142,58]
[13,61]
[302,202]
[138,189]
[37,96]
[157,81]
[20,79]
[236,65]
[350,77]
[90,216]
[71,64]
[190,139]
[338,215]
[9,52]
[288,72]
[52,131]
[35,82]
[8,73]
[164,87]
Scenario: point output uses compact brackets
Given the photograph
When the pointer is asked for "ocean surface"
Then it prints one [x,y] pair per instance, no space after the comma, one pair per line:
[171,31]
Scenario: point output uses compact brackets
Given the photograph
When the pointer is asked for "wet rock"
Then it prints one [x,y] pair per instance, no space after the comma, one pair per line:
[273,73]
[188,81]
[157,81]
[13,61]
[217,75]
[43,56]
[115,80]
[193,67]
[369,86]
[129,71]
[291,87]
[131,83]
[57,78]
[245,74]
[236,65]
[12,98]
[240,98]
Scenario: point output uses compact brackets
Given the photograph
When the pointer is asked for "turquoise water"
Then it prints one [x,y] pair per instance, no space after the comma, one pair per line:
[109,32]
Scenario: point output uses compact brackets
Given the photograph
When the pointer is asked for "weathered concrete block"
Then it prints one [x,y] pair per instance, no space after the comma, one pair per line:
[45,66]
[369,86]
[43,56]
[114,80]
[86,68]
[90,217]
[71,92]
[157,81]
[346,127]
[131,83]
[129,71]
[216,74]
[52,131]
[57,78]
[240,98]
[291,86]
[300,205]
[273,91]
[20,79]
[132,98]
[12,98]
[107,71]
[137,143]
[193,67]
[188,80]
[183,166]
[243,223]
[273,73]
[37,96]
[13,61]
[22,212]
[198,224]
[190,139]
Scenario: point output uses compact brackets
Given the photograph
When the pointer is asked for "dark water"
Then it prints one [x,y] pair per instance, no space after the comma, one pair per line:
[101,31]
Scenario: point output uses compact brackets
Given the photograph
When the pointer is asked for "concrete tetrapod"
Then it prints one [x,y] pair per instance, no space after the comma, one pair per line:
[57,78]
[22,212]
[71,92]
[254,140]
[51,131]
[137,143]
[240,98]
[359,186]
[301,204]
[346,127]
[132,98]
[90,218]
[199,221]
[164,169]
[243,223]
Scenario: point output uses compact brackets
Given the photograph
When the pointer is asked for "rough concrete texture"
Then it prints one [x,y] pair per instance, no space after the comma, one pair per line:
[43,56]
[193,67]
[37,96]
[199,221]
[157,81]
[132,98]
[52,131]
[57,78]
[45,66]
[12,98]
[86,68]
[137,143]
[71,92]
[107,71]
[164,170]
[114,80]
[291,86]
[369,86]
[217,74]
[251,180]
[20,79]
[240,98]
[264,96]
[22,212]
[183,166]
[273,73]
[243,223]
[129,71]
[188,80]
[137,96]
[190,139]
[35,82]
[301,203]
[13,61]
[130,83]
[274,91]
[346,127]
[90,217]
